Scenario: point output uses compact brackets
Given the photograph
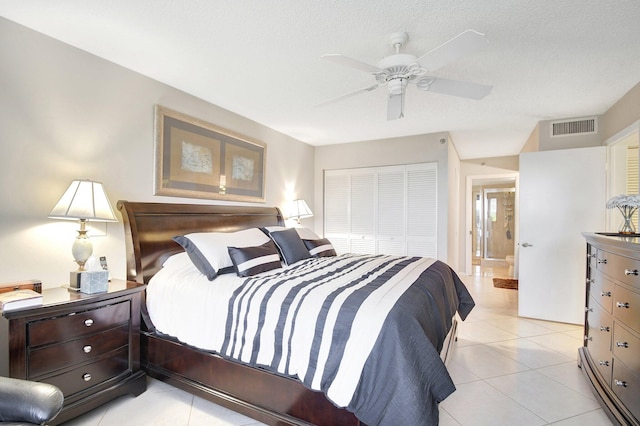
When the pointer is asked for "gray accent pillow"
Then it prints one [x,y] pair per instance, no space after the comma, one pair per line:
[249,261]
[289,244]
[320,248]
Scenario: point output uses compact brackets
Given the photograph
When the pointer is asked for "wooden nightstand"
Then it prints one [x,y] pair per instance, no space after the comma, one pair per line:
[86,344]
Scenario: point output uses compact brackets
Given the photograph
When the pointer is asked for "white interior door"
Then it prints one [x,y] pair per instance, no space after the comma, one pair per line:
[562,194]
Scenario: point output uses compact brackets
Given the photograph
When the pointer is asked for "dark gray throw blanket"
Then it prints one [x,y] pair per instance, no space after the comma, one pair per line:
[404,378]
[365,330]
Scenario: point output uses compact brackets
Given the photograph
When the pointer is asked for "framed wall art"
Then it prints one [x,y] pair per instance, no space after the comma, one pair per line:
[199,160]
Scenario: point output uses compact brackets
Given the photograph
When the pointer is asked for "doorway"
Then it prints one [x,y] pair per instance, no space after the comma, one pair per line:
[492,225]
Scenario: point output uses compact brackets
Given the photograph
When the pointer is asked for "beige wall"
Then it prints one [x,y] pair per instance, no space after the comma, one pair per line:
[66,114]
[532,144]
[547,143]
[387,152]
[622,114]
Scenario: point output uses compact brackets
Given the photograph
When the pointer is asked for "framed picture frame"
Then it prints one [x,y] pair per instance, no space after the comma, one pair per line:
[196,159]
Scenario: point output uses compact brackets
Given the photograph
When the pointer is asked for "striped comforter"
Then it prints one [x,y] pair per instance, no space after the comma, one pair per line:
[365,330]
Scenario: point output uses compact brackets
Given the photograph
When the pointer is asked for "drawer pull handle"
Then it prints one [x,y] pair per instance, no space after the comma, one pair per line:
[605,363]
[588,338]
[88,322]
[621,383]
[590,280]
[588,309]
[86,377]
[87,349]
[602,261]
[622,305]
[622,344]
[631,272]
[605,294]
[604,328]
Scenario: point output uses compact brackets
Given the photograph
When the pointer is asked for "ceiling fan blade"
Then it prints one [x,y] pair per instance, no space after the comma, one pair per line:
[346,61]
[395,106]
[461,45]
[350,94]
[463,89]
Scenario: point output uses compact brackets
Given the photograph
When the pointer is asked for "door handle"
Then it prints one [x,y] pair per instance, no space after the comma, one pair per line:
[527,245]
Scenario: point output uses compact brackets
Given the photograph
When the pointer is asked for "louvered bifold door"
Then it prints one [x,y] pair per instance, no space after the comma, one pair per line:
[362,202]
[336,209]
[632,176]
[383,210]
[422,210]
[391,224]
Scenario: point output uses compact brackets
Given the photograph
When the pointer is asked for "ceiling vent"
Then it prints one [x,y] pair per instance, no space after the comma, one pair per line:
[581,126]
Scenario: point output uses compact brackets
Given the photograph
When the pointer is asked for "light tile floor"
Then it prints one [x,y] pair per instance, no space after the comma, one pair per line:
[507,370]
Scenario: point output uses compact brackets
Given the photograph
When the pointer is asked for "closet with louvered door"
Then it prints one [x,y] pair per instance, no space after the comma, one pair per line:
[385,210]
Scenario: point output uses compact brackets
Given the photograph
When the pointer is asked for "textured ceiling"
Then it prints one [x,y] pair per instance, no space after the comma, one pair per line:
[547,59]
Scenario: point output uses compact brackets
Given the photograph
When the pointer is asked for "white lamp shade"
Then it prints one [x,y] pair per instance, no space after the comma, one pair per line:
[298,209]
[84,199]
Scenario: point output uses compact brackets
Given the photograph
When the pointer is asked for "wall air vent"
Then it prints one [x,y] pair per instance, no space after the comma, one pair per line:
[581,126]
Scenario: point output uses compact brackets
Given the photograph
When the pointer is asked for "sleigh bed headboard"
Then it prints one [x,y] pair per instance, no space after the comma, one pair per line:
[149,229]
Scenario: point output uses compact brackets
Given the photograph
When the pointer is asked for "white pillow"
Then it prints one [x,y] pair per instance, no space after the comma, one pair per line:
[209,250]
[305,233]
[178,260]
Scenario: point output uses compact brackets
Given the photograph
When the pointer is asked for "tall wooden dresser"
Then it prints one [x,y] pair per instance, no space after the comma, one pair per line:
[610,357]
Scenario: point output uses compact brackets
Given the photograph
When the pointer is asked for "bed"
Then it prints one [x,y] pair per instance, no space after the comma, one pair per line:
[279,398]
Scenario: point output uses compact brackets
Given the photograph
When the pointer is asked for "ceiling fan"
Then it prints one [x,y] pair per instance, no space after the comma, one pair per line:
[399,70]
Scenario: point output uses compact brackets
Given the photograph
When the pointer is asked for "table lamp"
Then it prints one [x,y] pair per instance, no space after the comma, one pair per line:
[84,200]
[298,209]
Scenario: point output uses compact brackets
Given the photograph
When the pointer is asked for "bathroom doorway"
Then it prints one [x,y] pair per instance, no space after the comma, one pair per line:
[493,222]
[492,225]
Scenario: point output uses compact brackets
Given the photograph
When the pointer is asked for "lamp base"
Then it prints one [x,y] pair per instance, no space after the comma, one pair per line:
[82,247]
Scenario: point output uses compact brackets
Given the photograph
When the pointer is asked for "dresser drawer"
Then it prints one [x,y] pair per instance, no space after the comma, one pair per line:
[626,347]
[626,307]
[620,268]
[92,374]
[50,358]
[626,386]
[599,331]
[75,325]
[601,290]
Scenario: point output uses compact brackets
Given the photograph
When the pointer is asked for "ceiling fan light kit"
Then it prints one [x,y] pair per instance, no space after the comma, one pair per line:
[400,69]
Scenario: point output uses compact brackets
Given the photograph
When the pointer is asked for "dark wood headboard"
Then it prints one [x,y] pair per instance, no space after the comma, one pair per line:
[149,229]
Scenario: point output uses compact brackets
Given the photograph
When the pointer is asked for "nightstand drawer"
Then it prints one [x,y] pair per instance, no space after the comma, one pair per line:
[50,358]
[67,327]
[93,374]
